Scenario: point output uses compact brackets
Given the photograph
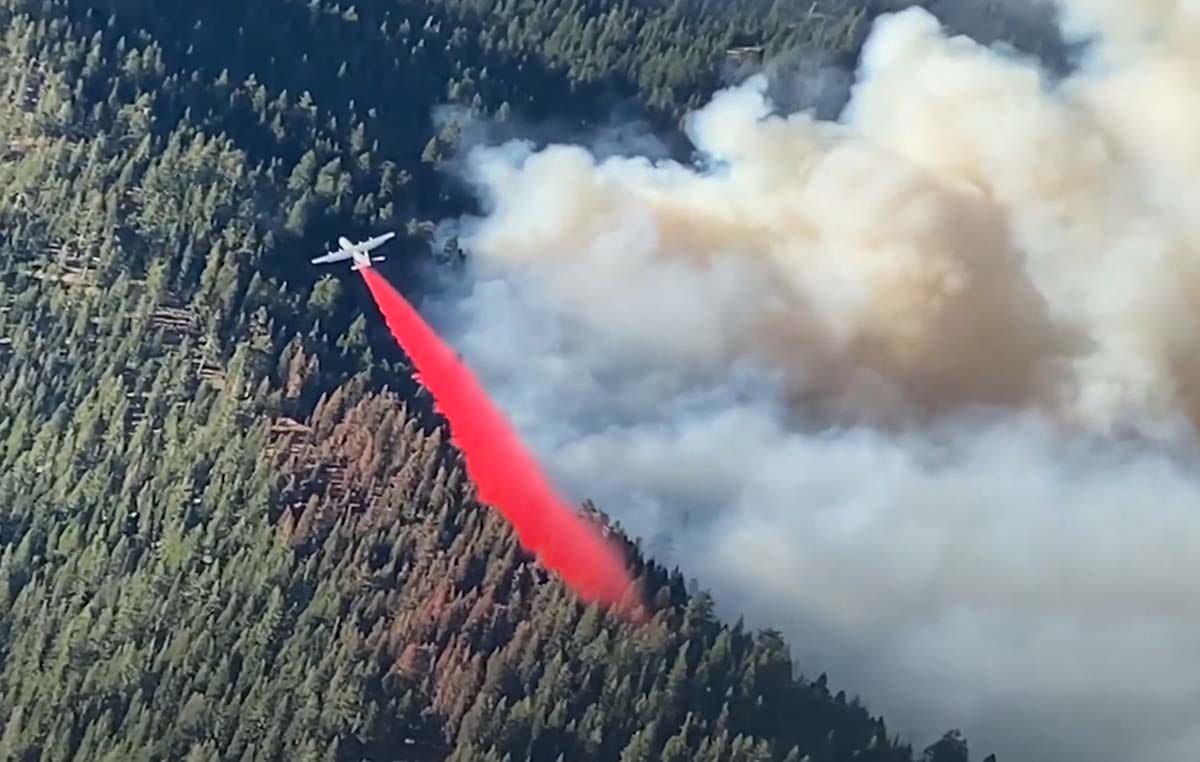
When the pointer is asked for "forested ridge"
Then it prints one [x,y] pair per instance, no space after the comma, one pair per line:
[230,529]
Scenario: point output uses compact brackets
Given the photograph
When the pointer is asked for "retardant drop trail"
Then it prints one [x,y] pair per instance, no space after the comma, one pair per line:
[504,472]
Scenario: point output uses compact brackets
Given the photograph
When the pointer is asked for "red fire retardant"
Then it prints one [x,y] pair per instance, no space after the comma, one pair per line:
[505,473]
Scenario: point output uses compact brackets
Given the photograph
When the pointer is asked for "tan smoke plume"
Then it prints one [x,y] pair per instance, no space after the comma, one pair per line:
[970,232]
[967,233]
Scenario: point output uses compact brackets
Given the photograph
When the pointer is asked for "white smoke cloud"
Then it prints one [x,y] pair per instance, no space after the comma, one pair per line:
[917,385]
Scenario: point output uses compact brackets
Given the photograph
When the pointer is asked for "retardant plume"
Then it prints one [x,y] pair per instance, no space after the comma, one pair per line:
[918,385]
[503,471]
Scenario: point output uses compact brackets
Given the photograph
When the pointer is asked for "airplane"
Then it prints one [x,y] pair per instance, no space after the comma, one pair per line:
[356,251]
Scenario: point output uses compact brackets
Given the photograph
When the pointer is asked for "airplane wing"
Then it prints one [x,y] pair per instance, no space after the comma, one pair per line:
[378,240]
[332,256]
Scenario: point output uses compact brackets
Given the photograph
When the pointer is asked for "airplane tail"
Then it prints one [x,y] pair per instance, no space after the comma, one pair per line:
[365,262]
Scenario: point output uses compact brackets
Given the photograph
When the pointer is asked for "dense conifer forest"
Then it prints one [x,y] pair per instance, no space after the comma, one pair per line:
[230,529]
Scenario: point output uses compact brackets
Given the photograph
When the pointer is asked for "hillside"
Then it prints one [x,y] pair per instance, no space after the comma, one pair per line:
[230,529]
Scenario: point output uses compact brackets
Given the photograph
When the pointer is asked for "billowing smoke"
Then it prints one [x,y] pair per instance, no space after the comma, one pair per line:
[918,385]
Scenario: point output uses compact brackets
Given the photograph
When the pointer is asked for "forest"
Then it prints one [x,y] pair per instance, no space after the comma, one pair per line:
[231,528]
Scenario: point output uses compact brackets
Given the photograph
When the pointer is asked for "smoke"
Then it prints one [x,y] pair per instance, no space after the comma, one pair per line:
[918,385]
[1030,26]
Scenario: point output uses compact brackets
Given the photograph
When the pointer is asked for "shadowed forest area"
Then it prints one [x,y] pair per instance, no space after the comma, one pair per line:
[230,529]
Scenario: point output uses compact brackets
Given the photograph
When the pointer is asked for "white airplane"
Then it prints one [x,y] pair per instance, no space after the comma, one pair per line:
[356,251]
